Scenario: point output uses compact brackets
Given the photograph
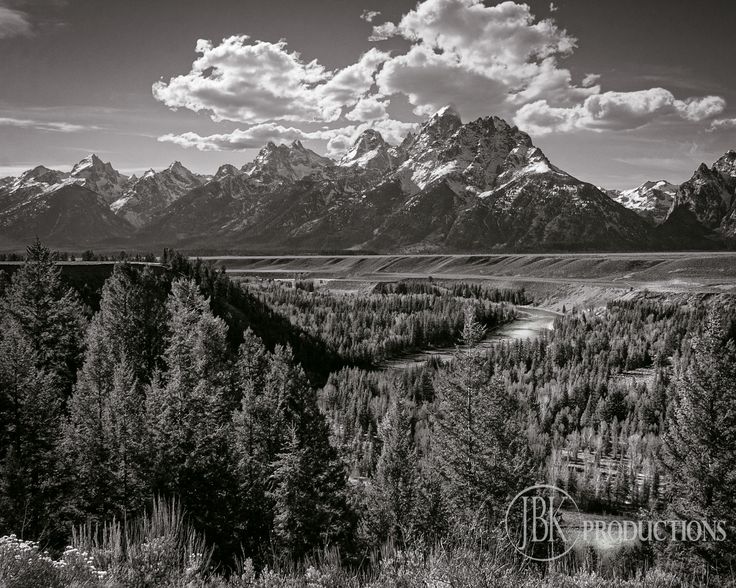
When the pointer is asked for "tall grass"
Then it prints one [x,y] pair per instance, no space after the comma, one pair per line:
[162,550]
[149,551]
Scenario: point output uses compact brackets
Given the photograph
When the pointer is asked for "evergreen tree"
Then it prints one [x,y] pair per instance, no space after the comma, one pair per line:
[392,495]
[102,441]
[479,443]
[48,314]
[310,495]
[187,415]
[132,317]
[288,471]
[252,444]
[30,414]
[699,449]
[103,445]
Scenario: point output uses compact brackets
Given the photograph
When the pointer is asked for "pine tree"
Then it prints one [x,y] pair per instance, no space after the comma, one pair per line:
[189,426]
[132,316]
[479,446]
[392,496]
[309,494]
[699,445]
[103,445]
[102,439]
[49,315]
[252,444]
[30,414]
[289,473]
[293,530]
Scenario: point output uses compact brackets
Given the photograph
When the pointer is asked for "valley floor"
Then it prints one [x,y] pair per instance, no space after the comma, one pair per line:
[553,280]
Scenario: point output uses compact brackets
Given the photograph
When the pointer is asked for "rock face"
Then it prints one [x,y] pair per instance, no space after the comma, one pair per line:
[452,186]
[651,200]
[370,152]
[709,196]
[100,177]
[150,195]
[69,216]
[282,164]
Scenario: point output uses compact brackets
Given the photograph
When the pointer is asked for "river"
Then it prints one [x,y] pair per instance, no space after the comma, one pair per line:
[531,322]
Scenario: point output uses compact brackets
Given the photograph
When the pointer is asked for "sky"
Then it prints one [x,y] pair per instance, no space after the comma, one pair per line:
[614,92]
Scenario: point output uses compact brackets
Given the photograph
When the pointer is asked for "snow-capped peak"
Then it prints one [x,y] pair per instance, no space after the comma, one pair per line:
[91,161]
[476,156]
[226,170]
[651,200]
[100,177]
[371,152]
[447,111]
[726,166]
[279,163]
[153,192]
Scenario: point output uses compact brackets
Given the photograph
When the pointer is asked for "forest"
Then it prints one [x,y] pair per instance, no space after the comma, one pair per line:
[164,425]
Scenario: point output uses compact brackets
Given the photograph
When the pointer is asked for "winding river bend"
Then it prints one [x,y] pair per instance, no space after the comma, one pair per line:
[530,323]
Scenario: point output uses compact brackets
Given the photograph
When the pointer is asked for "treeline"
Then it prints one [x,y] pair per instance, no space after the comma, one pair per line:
[183,384]
[88,255]
[458,289]
[367,329]
[150,397]
[598,428]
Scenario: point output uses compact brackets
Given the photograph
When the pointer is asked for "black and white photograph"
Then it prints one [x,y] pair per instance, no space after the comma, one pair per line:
[377,294]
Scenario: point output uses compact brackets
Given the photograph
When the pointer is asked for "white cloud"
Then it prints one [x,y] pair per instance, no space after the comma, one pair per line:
[590,80]
[722,123]
[393,132]
[370,15]
[13,23]
[240,139]
[485,59]
[337,140]
[616,111]
[369,108]
[59,127]
[697,109]
[496,59]
[553,7]
[384,31]
[256,82]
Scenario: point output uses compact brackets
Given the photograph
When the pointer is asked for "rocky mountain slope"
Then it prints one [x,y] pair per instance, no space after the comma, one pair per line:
[651,200]
[452,186]
[708,198]
[147,197]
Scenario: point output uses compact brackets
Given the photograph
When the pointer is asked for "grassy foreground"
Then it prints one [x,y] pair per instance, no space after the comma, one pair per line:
[162,550]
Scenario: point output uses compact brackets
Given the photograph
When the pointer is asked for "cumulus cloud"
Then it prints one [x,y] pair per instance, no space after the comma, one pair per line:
[240,139]
[256,82]
[616,111]
[13,23]
[590,80]
[722,124]
[490,59]
[393,131]
[369,108]
[337,140]
[59,127]
[496,59]
[370,15]
[384,31]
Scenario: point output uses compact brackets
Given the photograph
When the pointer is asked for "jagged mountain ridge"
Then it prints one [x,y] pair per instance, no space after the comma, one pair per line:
[452,186]
[709,197]
[148,196]
[652,200]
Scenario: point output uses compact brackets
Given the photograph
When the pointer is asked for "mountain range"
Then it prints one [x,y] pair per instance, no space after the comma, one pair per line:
[478,186]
